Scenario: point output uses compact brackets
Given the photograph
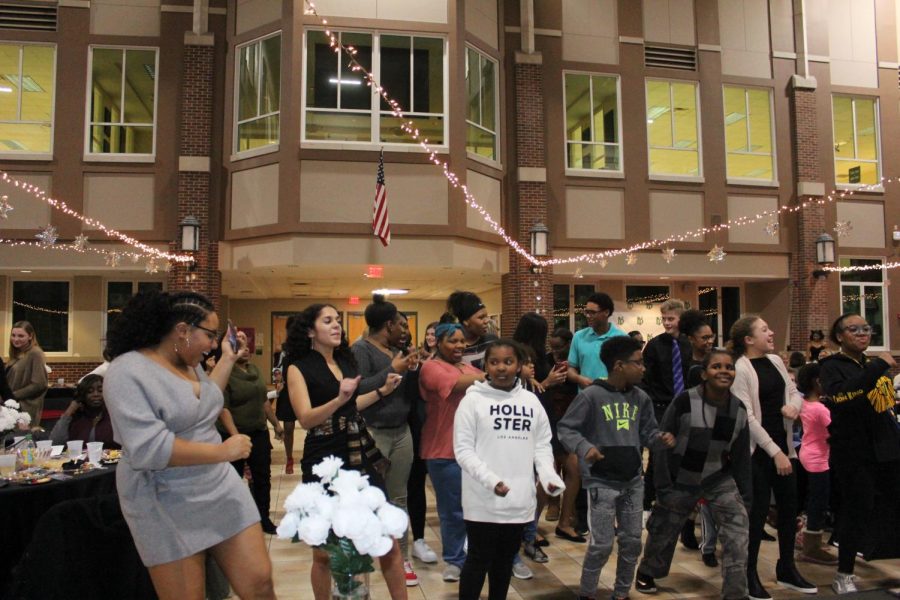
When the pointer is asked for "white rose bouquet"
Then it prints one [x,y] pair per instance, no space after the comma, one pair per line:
[344,516]
[11,418]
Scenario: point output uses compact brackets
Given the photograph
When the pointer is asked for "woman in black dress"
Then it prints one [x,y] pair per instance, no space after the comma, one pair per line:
[322,383]
[283,410]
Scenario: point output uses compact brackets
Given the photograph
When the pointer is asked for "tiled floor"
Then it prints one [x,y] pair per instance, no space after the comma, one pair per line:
[557,579]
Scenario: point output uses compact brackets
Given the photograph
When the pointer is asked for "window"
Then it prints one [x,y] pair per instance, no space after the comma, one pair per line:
[481,109]
[750,153]
[118,293]
[341,107]
[44,304]
[27,86]
[673,128]
[258,102]
[568,305]
[862,292]
[592,122]
[122,102]
[856,143]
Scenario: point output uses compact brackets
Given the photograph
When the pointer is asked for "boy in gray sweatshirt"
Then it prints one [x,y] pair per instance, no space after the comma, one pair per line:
[607,425]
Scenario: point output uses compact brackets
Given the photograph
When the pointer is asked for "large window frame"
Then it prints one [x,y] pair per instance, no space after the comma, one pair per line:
[89,123]
[17,155]
[237,153]
[619,144]
[877,186]
[699,178]
[747,118]
[862,288]
[479,126]
[135,288]
[70,320]
[375,112]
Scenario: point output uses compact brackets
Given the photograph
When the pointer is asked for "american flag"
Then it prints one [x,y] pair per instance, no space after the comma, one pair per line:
[381,225]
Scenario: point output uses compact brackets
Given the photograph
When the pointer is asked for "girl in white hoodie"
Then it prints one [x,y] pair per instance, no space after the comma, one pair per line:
[501,436]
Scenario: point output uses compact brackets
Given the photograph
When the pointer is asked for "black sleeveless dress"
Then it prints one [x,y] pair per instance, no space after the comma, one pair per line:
[344,433]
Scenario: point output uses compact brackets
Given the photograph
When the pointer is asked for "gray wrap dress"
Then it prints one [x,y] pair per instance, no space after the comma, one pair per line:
[173,512]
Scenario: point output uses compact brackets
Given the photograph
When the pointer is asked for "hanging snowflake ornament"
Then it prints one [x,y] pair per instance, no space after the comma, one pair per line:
[167,267]
[5,207]
[579,274]
[602,262]
[113,258]
[772,227]
[842,228]
[47,236]
[151,267]
[717,254]
[135,259]
[80,242]
[668,255]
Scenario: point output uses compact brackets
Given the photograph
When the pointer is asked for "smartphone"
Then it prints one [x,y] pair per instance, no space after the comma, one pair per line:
[562,365]
[232,336]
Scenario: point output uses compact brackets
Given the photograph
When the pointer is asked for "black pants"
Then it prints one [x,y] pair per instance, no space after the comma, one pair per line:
[260,463]
[492,547]
[817,495]
[415,485]
[767,481]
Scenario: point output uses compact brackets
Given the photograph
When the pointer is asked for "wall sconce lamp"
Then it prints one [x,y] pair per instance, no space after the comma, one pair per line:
[824,255]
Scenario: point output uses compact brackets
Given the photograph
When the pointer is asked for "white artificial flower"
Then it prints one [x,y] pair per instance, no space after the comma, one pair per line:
[372,497]
[304,497]
[381,546]
[23,418]
[324,507]
[348,482]
[394,521]
[288,526]
[366,537]
[346,522]
[328,468]
[313,531]
[11,404]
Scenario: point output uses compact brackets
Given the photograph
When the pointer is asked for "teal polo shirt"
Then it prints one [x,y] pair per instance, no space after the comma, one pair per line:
[584,354]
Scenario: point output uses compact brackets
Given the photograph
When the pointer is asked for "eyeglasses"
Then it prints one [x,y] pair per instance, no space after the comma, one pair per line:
[213,335]
[859,329]
[639,362]
[706,338]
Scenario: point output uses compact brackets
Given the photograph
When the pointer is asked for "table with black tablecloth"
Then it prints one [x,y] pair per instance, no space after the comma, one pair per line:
[21,506]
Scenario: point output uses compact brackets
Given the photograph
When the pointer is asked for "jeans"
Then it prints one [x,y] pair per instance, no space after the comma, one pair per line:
[767,481]
[728,513]
[613,513]
[708,534]
[260,463]
[446,477]
[492,547]
[817,499]
[396,444]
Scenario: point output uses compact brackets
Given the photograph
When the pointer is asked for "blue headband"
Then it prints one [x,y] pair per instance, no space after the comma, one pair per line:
[445,329]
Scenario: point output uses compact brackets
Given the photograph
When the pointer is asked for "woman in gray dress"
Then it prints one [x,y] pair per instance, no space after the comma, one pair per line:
[178,492]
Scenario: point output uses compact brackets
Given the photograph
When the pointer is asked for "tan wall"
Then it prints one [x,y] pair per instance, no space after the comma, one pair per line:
[744,35]
[771,300]
[852,42]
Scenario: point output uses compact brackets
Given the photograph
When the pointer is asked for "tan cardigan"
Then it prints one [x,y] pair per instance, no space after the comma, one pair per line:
[27,379]
[746,388]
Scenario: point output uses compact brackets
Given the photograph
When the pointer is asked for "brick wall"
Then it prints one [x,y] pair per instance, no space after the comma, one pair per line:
[71,371]
[193,187]
[809,296]
[522,290]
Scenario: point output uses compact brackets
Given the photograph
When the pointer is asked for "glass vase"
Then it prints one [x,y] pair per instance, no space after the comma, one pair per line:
[346,586]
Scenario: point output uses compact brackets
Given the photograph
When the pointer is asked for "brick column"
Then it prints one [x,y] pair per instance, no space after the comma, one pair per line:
[194,166]
[520,294]
[809,296]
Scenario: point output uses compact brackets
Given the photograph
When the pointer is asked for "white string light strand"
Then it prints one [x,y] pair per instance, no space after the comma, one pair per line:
[91,222]
[70,248]
[854,268]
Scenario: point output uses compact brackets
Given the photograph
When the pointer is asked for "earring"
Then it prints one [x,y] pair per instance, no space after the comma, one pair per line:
[188,342]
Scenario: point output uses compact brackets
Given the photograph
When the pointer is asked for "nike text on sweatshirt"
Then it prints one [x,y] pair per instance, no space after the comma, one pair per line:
[502,436]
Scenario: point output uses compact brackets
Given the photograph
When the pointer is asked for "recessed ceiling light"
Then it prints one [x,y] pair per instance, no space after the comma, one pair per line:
[390,292]
[25,271]
[665,277]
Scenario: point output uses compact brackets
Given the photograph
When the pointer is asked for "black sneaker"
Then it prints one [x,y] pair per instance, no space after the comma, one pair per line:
[787,576]
[755,589]
[767,537]
[688,537]
[710,560]
[268,526]
[645,585]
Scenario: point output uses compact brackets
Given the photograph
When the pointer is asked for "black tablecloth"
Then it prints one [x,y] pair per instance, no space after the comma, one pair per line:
[21,506]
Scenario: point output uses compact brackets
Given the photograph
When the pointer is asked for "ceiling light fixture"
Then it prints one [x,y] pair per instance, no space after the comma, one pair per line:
[390,292]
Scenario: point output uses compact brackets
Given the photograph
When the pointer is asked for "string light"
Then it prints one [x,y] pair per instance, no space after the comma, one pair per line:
[851,269]
[73,247]
[92,223]
[49,311]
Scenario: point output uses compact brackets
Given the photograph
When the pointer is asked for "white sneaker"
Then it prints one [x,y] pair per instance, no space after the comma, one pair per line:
[411,578]
[521,571]
[423,552]
[451,573]
[843,584]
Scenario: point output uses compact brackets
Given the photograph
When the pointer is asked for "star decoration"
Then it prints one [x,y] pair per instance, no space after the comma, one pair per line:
[603,262]
[5,207]
[167,267]
[717,254]
[135,259]
[80,242]
[668,255]
[842,228]
[113,258]
[772,228]
[151,266]
[579,274]
[631,259]
[48,235]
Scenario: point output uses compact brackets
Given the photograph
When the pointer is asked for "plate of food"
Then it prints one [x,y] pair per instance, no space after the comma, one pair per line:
[111,457]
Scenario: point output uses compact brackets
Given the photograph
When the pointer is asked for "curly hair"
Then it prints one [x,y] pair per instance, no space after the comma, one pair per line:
[298,343]
[692,321]
[150,316]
